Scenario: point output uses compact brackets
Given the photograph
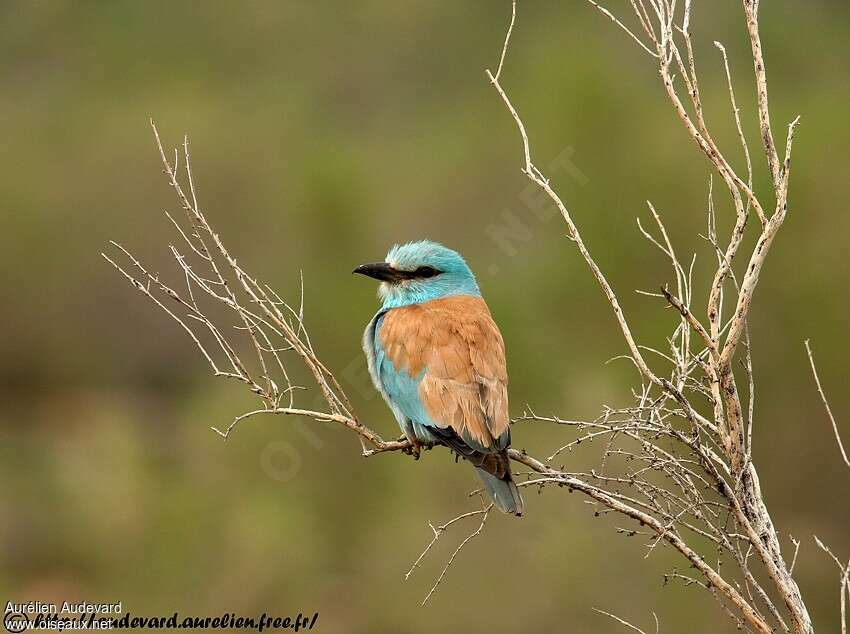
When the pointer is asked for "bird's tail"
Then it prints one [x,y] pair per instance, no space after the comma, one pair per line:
[503,491]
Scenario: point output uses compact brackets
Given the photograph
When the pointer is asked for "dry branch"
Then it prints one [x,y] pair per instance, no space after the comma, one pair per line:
[721,448]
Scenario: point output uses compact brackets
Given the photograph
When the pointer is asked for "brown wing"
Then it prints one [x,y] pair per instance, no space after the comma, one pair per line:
[465,384]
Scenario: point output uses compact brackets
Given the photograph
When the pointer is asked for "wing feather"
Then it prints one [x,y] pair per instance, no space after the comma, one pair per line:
[457,348]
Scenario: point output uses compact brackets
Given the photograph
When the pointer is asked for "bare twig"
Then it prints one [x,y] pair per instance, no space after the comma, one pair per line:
[826,405]
[507,39]
[484,513]
[843,582]
[623,622]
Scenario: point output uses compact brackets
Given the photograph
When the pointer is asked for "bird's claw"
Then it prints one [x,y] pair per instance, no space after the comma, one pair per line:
[414,449]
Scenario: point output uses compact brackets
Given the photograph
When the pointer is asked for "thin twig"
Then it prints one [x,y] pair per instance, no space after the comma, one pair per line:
[826,405]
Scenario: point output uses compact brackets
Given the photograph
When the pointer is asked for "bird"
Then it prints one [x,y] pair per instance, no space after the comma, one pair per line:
[437,357]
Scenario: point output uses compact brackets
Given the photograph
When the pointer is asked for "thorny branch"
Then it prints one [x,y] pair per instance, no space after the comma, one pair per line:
[274,328]
[678,460]
[717,448]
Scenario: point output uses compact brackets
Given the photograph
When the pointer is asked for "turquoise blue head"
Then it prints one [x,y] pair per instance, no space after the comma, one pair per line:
[418,272]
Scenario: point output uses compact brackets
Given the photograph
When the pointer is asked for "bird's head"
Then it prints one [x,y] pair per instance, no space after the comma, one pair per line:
[418,272]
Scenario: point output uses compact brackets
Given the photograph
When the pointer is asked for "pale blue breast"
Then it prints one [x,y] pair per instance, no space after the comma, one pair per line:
[399,389]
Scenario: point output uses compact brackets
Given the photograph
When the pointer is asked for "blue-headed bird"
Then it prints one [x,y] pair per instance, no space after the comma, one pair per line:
[438,358]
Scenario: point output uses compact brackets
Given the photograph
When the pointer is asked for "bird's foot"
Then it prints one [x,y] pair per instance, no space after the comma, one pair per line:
[414,449]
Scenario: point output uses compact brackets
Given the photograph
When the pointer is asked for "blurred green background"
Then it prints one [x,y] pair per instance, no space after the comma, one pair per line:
[321,134]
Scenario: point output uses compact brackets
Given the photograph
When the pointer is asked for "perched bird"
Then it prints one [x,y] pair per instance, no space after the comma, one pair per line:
[438,359]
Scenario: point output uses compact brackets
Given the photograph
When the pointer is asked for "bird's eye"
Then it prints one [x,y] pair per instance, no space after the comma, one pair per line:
[426,271]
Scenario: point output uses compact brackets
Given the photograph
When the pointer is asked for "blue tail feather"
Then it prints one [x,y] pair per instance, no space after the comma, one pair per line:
[504,492]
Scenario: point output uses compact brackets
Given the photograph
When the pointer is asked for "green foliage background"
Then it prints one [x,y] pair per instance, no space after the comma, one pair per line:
[322,133]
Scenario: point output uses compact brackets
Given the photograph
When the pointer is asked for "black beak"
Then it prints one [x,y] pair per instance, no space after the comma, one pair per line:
[380,271]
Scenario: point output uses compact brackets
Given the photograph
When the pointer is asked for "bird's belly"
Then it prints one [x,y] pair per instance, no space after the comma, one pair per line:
[401,392]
